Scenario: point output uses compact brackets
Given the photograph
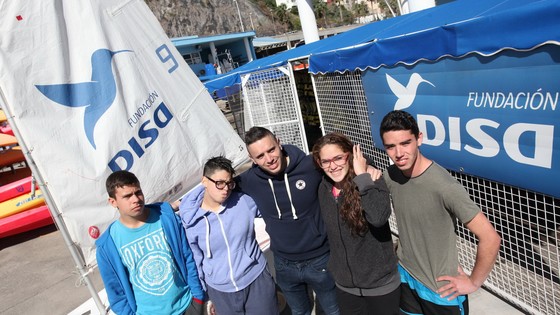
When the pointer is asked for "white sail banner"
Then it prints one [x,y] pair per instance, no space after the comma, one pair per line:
[96,86]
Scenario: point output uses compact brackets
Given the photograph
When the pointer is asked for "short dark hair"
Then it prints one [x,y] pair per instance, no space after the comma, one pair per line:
[218,163]
[120,179]
[257,133]
[399,120]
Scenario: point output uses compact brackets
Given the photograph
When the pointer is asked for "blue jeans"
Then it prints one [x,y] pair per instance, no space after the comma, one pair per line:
[294,276]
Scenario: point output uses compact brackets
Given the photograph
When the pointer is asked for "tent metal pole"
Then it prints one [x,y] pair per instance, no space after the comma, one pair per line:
[297,104]
[391,9]
[321,124]
[78,259]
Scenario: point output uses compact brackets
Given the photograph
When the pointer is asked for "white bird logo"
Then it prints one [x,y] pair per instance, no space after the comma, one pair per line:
[405,94]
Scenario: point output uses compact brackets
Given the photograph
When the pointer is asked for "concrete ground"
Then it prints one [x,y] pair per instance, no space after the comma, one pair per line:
[38,276]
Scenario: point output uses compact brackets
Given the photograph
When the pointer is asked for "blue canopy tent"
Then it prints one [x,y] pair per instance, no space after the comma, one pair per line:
[452,29]
[457,30]
[484,81]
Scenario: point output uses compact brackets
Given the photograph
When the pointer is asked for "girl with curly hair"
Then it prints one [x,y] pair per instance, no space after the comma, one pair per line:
[356,209]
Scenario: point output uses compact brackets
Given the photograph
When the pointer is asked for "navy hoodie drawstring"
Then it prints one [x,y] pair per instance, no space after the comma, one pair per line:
[287,183]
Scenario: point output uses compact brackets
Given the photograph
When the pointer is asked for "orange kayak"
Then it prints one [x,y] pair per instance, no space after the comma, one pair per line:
[7,140]
[11,156]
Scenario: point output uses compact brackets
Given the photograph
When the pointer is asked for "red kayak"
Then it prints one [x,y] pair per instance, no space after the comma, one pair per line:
[25,221]
[15,189]
[6,130]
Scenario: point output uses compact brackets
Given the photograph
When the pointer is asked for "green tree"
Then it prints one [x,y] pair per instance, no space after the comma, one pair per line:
[332,14]
[270,3]
[295,23]
[281,13]
[339,10]
[394,7]
[320,9]
[347,16]
[360,9]
[294,10]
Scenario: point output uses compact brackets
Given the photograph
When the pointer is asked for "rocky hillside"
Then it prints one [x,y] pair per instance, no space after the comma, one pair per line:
[209,17]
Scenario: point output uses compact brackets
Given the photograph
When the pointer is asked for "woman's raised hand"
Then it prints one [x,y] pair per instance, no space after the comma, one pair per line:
[359,162]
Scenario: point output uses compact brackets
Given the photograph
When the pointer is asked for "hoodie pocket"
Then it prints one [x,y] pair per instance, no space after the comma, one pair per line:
[216,271]
[219,272]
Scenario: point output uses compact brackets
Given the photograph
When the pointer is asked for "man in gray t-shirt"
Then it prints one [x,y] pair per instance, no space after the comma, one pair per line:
[427,201]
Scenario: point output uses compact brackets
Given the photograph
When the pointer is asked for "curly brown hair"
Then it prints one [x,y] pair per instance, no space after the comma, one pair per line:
[350,207]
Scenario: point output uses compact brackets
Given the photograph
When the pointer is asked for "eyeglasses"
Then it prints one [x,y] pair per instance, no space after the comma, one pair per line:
[221,184]
[338,160]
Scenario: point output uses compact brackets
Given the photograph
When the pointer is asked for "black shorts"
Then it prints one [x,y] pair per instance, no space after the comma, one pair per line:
[417,299]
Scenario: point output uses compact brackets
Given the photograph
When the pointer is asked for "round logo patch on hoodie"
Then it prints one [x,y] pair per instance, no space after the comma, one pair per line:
[300,184]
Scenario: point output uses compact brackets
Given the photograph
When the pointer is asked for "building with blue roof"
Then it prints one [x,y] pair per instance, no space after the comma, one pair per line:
[210,56]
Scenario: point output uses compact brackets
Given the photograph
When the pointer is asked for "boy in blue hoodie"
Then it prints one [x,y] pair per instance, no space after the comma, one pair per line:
[283,181]
[220,228]
[143,257]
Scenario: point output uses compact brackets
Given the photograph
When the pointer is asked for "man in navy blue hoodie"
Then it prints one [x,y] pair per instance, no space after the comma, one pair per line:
[283,181]
[143,257]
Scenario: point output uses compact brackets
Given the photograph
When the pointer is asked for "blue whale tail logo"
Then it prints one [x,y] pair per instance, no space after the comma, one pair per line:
[96,95]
